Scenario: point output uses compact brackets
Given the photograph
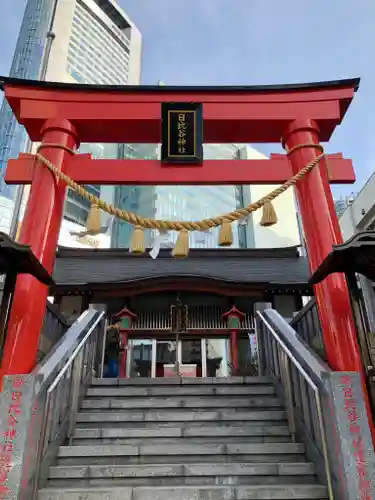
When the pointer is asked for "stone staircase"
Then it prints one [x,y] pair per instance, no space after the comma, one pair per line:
[189,439]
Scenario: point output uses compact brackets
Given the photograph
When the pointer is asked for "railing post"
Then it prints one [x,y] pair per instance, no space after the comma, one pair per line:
[287,382]
[261,307]
[43,437]
[76,391]
[102,342]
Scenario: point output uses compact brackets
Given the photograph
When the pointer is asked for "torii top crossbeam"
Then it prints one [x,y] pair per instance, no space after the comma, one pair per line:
[130,114]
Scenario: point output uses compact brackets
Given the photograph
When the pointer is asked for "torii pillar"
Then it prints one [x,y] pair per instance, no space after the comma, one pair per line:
[322,231]
[40,230]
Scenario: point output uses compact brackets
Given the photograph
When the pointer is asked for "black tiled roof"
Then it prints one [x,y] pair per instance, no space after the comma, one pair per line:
[269,266]
[19,259]
[139,89]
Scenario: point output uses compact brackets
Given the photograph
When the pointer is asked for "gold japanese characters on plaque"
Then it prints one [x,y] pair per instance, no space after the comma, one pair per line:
[182,133]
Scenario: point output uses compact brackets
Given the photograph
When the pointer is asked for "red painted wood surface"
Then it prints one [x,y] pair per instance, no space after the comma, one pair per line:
[322,231]
[230,115]
[84,170]
[40,230]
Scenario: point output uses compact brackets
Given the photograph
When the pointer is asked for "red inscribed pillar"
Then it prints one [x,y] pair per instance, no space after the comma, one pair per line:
[40,230]
[322,230]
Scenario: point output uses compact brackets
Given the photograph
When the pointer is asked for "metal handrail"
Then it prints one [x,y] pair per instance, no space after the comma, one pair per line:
[289,400]
[64,376]
[307,324]
[53,329]
[74,355]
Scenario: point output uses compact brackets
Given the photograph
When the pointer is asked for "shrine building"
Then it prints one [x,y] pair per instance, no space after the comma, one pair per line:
[210,283]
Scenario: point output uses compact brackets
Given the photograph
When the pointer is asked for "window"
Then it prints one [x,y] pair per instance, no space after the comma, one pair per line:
[75,213]
[77,76]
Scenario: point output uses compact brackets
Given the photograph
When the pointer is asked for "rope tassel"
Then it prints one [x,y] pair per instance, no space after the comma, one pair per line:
[137,243]
[269,216]
[181,248]
[226,234]
[93,224]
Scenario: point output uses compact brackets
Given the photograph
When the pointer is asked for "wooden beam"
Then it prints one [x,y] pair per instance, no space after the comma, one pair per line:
[132,114]
[84,170]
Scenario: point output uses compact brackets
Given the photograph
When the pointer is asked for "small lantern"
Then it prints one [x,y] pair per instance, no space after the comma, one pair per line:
[125,317]
[234,318]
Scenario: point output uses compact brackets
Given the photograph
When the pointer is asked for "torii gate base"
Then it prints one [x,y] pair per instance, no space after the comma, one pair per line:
[67,114]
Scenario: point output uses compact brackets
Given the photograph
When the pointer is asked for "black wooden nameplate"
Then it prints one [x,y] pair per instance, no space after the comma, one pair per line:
[182,133]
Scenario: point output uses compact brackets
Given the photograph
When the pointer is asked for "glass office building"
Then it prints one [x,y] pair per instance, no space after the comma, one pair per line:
[77,207]
[198,202]
[178,202]
[96,54]
[102,49]
[138,199]
[94,42]
[26,64]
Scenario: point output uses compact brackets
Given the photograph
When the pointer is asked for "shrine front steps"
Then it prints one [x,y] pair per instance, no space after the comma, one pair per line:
[191,439]
[257,492]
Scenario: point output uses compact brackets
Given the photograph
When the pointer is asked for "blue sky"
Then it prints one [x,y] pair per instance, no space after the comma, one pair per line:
[253,42]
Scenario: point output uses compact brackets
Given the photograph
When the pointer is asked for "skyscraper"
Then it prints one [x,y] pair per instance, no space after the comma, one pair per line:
[286,232]
[343,203]
[26,63]
[138,199]
[94,42]
[198,202]
[174,202]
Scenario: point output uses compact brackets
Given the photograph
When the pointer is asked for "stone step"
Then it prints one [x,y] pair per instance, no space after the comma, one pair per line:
[183,430]
[181,440]
[181,415]
[139,381]
[212,402]
[113,450]
[116,454]
[179,474]
[190,424]
[178,391]
[179,481]
[142,460]
[253,492]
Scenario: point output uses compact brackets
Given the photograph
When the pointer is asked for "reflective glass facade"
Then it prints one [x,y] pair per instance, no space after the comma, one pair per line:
[199,202]
[138,199]
[77,207]
[96,55]
[26,64]
[179,202]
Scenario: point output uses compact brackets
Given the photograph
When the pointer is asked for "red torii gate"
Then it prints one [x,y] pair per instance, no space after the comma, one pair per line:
[68,114]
